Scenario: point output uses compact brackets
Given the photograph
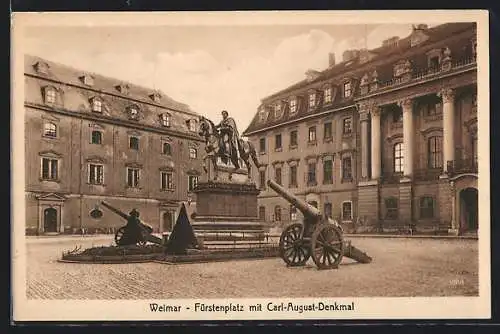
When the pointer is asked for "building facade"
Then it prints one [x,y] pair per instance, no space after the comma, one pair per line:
[387,138]
[89,138]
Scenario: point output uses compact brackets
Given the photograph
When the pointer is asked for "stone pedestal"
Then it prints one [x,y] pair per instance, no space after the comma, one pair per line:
[368,202]
[226,206]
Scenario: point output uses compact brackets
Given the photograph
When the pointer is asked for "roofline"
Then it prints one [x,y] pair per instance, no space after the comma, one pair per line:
[299,119]
[115,121]
[303,83]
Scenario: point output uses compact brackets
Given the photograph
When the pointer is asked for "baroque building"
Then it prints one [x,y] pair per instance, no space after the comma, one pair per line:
[387,138]
[90,138]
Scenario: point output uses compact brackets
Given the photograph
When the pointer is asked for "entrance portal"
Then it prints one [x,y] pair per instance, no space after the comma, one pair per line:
[468,209]
[50,220]
[168,222]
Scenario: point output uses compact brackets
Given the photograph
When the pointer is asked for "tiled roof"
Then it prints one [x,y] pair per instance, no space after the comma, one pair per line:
[115,102]
[382,61]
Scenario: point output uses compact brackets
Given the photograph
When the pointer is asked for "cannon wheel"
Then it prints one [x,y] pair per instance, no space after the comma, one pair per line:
[119,235]
[293,249]
[327,246]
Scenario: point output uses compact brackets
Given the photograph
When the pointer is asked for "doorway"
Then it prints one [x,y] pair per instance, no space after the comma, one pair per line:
[50,220]
[168,221]
[469,209]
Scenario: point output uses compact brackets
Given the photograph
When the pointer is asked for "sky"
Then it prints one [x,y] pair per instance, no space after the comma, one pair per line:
[209,68]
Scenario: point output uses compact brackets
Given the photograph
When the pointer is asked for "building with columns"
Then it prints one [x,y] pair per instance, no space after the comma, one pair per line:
[385,139]
[90,138]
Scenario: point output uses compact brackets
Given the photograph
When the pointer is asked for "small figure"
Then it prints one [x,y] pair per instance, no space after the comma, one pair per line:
[229,137]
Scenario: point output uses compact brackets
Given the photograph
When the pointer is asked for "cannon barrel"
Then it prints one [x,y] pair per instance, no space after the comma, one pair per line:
[304,207]
[125,216]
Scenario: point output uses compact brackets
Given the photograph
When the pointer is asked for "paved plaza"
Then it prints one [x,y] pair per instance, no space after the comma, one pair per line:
[400,267]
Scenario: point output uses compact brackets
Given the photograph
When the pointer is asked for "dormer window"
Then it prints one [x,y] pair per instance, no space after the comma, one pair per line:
[347,89]
[96,105]
[327,94]
[50,95]
[312,99]
[402,67]
[156,97]
[293,105]
[262,114]
[122,88]
[192,125]
[133,113]
[165,119]
[42,67]
[277,110]
[87,80]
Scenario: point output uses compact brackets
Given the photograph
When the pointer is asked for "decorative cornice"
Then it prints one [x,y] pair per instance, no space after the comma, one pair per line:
[227,187]
[393,137]
[431,129]
[95,158]
[50,153]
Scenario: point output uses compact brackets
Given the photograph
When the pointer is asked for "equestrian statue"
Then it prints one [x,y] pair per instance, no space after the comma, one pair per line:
[223,141]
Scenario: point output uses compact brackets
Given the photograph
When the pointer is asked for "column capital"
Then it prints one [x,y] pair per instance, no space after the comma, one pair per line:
[447,94]
[375,111]
[406,104]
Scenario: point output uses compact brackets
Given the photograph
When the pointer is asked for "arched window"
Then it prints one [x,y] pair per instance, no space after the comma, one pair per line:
[193,153]
[50,130]
[398,154]
[96,137]
[167,149]
[435,152]
[277,213]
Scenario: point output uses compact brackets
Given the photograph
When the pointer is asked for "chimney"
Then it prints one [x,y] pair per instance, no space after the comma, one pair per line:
[331,59]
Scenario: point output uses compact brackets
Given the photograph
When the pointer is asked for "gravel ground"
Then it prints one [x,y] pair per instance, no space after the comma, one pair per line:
[400,268]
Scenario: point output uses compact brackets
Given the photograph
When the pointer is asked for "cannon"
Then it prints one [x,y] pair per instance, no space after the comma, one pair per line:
[318,237]
[124,236]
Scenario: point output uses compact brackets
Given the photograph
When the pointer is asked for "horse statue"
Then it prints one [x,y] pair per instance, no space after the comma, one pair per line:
[245,149]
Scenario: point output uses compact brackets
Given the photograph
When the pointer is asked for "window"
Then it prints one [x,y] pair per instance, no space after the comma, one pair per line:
[312,134]
[262,145]
[328,210]
[293,138]
[277,110]
[391,208]
[293,213]
[50,95]
[327,172]
[293,106]
[96,105]
[134,143]
[277,175]
[96,137]
[262,114]
[277,213]
[434,63]
[327,130]
[50,130]
[96,174]
[166,181]
[328,95]
[277,142]
[262,213]
[435,152]
[311,173]
[193,153]
[426,207]
[133,177]
[50,169]
[193,182]
[347,126]
[346,168]
[397,116]
[192,125]
[166,149]
[262,179]
[347,211]
[293,177]
[312,100]
[96,214]
[432,110]
[398,158]
[133,113]
[165,119]
[347,89]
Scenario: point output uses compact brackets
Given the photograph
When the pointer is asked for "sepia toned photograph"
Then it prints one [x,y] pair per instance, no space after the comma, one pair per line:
[251,166]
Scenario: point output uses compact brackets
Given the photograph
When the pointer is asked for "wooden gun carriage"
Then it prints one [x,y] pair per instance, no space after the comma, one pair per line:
[122,235]
[318,237]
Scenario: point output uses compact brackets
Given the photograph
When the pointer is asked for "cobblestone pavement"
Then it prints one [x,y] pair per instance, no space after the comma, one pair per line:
[400,267]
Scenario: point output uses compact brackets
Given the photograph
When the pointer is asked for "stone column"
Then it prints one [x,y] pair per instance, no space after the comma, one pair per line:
[448,96]
[365,144]
[408,136]
[375,137]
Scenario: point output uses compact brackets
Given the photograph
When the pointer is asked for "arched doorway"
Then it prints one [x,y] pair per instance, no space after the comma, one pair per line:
[50,220]
[168,222]
[468,209]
